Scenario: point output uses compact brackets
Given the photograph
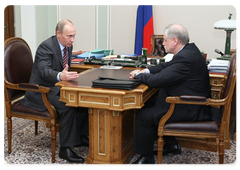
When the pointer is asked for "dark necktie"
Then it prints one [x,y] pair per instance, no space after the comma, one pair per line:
[65,57]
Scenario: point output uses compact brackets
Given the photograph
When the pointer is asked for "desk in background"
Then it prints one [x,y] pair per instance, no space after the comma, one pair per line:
[217,82]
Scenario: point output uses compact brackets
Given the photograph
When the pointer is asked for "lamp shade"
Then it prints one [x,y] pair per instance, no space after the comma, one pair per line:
[225,24]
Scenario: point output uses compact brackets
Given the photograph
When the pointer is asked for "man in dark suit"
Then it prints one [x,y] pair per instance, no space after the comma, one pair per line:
[52,62]
[185,74]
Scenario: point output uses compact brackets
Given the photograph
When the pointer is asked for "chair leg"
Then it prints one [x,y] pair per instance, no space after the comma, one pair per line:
[9,129]
[221,151]
[53,137]
[160,149]
[36,127]
[234,137]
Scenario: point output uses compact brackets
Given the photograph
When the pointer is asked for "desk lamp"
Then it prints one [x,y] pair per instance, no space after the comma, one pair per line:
[229,26]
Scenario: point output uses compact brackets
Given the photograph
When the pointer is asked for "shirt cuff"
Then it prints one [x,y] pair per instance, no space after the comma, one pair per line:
[147,71]
[58,76]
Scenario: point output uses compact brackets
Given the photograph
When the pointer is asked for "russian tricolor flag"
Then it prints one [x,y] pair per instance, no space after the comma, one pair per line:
[144,29]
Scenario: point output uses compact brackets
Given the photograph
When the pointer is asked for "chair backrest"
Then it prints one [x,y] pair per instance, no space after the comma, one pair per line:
[231,70]
[18,63]
[228,94]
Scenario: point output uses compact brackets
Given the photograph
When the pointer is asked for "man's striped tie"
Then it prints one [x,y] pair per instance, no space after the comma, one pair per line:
[65,57]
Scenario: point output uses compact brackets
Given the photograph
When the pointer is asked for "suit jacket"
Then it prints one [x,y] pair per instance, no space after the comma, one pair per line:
[185,74]
[48,63]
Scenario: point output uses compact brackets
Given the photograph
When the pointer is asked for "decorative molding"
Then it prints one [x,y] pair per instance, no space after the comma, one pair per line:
[64,94]
[115,113]
[94,97]
[130,100]
[90,111]
[116,101]
[69,98]
[102,132]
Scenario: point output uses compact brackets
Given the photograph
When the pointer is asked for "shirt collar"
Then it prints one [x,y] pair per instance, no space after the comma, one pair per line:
[61,46]
[181,48]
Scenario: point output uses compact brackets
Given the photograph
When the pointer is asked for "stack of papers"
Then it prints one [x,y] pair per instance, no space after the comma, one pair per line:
[77,60]
[97,51]
[113,57]
[102,51]
[218,66]
[111,67]
[129,55]
[86,55]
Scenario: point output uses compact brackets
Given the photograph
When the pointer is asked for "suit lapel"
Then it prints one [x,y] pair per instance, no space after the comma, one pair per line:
[69,56]
[58,51]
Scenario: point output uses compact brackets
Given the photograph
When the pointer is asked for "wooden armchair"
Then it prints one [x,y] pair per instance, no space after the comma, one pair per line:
[201,129]
[158,49]
[18,64]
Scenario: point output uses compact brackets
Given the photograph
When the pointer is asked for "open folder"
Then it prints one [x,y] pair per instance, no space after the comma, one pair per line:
[115,83]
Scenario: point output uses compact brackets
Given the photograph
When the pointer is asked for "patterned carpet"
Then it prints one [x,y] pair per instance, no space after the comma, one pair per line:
[28,148]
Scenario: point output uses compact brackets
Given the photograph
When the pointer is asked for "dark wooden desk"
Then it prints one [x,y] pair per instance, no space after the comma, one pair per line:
[82,67]
[111,113]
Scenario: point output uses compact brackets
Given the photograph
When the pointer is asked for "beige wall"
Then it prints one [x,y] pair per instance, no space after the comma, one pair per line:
[83,17]
[122,21]
[199,21]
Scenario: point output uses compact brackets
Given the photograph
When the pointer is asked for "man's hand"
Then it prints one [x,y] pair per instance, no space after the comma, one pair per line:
[134,72]
[68,75]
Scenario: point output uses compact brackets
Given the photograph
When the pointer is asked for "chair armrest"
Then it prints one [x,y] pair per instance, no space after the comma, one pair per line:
[193,98]
[28,86]
[183,99]
[186,99]
[44,91]
[33,87]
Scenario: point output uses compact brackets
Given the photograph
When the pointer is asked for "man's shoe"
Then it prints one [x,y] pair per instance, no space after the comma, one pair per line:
[170,149]
[144,160]
[68,154]
[173,149]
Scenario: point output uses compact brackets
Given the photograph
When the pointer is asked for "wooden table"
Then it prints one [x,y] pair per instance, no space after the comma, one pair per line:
[111,113]
[217,82]
[83,67]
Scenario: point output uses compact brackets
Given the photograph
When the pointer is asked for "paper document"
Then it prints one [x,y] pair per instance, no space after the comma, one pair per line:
[111,67]
[215,62]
